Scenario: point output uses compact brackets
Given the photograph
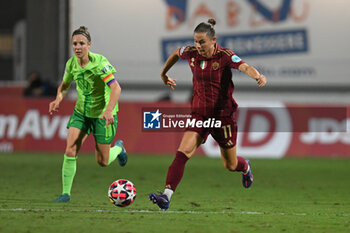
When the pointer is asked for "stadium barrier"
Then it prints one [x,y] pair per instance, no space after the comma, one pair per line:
[269,129]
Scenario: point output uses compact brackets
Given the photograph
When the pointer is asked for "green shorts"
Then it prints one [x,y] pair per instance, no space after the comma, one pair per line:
[95,126]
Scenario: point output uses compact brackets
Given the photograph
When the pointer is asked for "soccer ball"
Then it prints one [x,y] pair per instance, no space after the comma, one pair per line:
[122,192]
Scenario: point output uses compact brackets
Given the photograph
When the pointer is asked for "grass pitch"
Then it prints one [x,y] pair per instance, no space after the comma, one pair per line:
[288,195]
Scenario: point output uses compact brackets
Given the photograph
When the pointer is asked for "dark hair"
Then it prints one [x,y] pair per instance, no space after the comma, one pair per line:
[82,30]
[207,28]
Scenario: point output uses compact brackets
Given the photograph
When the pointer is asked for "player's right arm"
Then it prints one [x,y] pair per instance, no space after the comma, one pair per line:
[172,59]
[61,92]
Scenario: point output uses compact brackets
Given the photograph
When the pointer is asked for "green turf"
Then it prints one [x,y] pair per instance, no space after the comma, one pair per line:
[289,195]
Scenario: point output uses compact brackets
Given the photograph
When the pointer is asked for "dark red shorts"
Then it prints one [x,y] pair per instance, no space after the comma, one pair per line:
[225,136]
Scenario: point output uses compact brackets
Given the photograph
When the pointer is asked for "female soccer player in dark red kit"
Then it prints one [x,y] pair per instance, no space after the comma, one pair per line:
[212,98]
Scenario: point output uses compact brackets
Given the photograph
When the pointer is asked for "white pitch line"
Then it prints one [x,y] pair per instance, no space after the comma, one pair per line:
[169,212]
[172,212]
[150,211]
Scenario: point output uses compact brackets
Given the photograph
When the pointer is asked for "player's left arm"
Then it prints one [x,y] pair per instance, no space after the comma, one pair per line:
[113,100]
[253,73]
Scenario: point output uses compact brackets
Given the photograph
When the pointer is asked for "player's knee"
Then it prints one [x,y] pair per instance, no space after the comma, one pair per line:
[187,150]
[231,166]
[188,153]
[102,163]
[70,152]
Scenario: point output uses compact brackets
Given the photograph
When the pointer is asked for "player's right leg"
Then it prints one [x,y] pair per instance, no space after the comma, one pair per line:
[75,139]
[190,142]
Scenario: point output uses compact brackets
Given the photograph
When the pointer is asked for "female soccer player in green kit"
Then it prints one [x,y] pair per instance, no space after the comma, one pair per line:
[95,110]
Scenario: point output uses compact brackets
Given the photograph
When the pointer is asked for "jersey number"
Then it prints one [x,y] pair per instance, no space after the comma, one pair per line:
[227,130]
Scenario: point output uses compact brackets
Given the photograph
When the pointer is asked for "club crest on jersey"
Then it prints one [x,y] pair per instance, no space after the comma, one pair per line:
[215,65]
[192,62]
[203,64]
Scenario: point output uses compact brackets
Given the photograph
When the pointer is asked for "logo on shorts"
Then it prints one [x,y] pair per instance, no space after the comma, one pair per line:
[151,120]
[229,143]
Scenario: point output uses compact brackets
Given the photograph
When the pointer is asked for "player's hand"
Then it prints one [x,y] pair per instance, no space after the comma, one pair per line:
[261,80]
[108,117]
[54,106]
[169,81]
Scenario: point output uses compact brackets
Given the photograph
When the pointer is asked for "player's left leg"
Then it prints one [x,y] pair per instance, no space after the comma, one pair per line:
[226,136]
[232,162]
[105,153]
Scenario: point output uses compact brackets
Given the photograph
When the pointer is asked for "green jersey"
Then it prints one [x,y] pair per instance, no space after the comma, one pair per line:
[92,84]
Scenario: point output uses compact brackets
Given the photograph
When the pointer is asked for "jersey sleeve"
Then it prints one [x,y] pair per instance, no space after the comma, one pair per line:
[106,71]
[233,59]
[184,52]
[67,76]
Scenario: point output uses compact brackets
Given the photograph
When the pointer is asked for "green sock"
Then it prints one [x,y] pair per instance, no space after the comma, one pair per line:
[113,153]
[69,168]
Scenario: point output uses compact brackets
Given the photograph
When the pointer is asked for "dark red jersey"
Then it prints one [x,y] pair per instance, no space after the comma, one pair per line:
[212,80]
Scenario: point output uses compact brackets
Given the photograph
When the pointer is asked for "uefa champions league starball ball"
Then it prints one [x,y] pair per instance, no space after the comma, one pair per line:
[122,192]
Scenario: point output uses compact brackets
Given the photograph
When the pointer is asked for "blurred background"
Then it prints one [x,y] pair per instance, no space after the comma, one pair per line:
[302,47]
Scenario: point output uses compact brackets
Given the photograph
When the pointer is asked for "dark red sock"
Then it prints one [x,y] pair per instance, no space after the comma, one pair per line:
[176,171]
[242,164]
